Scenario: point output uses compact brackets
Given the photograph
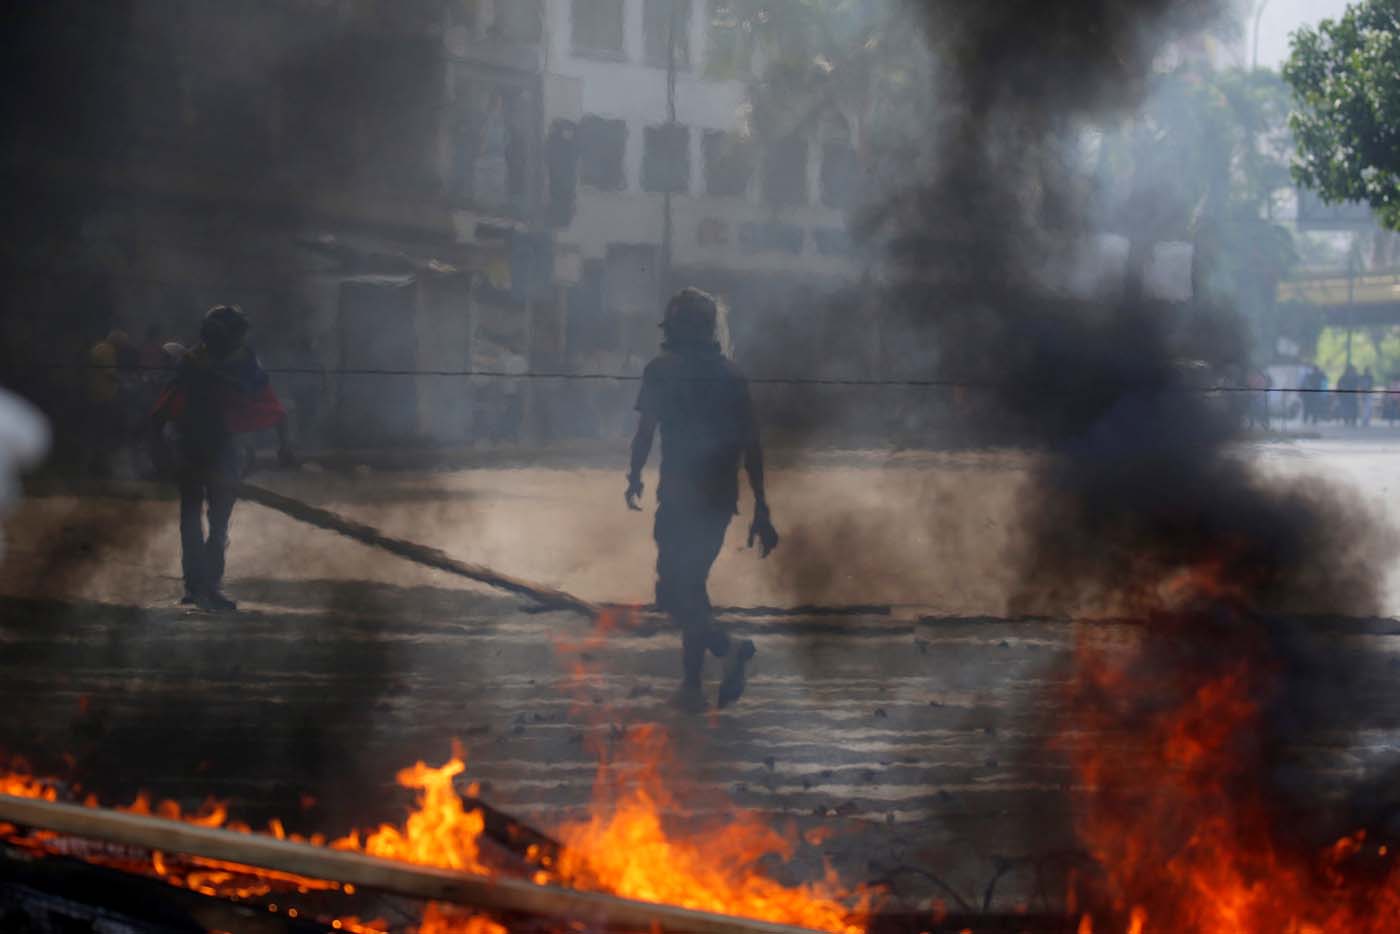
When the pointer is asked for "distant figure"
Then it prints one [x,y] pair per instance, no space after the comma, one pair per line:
[1260,383]
[107,392]
[700,401]
[1314,384]
[151,358]
[1367,384]
[218,390]
[1347,387]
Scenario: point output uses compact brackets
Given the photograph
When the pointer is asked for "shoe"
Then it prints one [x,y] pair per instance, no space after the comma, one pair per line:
[189,599]
[735,671]
[689,699]
[215,602]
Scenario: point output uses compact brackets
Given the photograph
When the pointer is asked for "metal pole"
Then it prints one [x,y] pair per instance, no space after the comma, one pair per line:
[1258,16]
[663,284]
[1351,298]
[514,896]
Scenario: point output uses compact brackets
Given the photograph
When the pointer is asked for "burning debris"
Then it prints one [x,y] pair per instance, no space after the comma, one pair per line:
[1140,507]
[624,850]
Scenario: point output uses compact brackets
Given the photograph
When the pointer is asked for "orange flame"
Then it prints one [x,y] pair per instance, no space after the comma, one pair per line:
[439,833]
[625,849]
[1177,818]
[628,853]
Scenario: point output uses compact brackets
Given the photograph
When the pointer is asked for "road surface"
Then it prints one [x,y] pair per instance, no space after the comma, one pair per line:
[921,735]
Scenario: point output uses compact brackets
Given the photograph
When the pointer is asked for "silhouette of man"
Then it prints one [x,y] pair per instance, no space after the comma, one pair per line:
[219,390]
[700,401]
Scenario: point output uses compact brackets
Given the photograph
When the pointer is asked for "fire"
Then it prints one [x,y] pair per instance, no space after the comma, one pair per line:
[626,851]
[439,833]
[624,848]
[1177,816]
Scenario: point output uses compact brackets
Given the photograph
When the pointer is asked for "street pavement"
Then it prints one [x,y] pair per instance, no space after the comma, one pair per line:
[919,732]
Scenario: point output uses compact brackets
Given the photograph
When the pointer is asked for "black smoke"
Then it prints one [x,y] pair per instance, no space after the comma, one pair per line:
[1140,477]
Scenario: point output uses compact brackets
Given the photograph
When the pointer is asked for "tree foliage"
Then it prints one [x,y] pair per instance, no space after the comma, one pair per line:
[1346,75]
[810,60]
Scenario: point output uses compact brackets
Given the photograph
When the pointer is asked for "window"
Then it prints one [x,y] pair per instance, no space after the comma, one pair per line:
[666,158]
[771,238]
[493,144]
[729,161]
[601,144]
[519,21]
[731,41]
[840,175]
[656,22]
[785,172]
[598,26]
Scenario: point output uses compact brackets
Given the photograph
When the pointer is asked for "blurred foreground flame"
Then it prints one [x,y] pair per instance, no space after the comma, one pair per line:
[626,851]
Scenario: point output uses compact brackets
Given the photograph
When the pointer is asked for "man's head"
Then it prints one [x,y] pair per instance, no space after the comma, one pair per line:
[691,317]
[223,329]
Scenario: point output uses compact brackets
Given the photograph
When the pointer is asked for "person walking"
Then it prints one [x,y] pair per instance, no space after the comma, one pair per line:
[1366,383]
[700,402]
[108,389]
[1347,387]
[219,390]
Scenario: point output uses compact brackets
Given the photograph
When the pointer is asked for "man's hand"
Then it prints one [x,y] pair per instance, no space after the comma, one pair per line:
[634,493]
[762,530]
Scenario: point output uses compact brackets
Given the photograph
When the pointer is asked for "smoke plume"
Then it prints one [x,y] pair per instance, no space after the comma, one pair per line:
[1141,504]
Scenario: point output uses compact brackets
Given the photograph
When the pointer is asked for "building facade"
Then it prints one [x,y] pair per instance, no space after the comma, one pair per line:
[414,187]
[760,221]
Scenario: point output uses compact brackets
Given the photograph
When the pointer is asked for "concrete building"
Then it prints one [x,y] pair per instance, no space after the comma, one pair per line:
[423,185]
[359,173]
[762,225]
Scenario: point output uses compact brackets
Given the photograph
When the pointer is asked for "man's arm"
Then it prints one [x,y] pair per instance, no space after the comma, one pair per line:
[753,466]
[762,527]
[641,450]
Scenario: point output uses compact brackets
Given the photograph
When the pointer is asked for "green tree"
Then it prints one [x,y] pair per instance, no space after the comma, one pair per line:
[1346,75]
[1201,161]
[808,60]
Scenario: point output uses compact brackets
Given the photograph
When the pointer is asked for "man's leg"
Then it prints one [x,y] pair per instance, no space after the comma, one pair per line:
[222,495]
[192,532]
[680,592]
[708,542]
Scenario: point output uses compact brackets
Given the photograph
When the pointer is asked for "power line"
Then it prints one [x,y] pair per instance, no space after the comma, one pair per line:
[565,376]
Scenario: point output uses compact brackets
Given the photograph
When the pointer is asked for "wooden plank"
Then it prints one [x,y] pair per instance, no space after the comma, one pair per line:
[547,597]
[470,890]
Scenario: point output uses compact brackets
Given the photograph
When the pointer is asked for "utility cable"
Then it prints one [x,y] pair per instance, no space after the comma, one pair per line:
[752,380]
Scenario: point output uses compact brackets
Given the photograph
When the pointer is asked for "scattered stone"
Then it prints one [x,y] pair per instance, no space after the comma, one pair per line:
[880,713]
[770,762]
